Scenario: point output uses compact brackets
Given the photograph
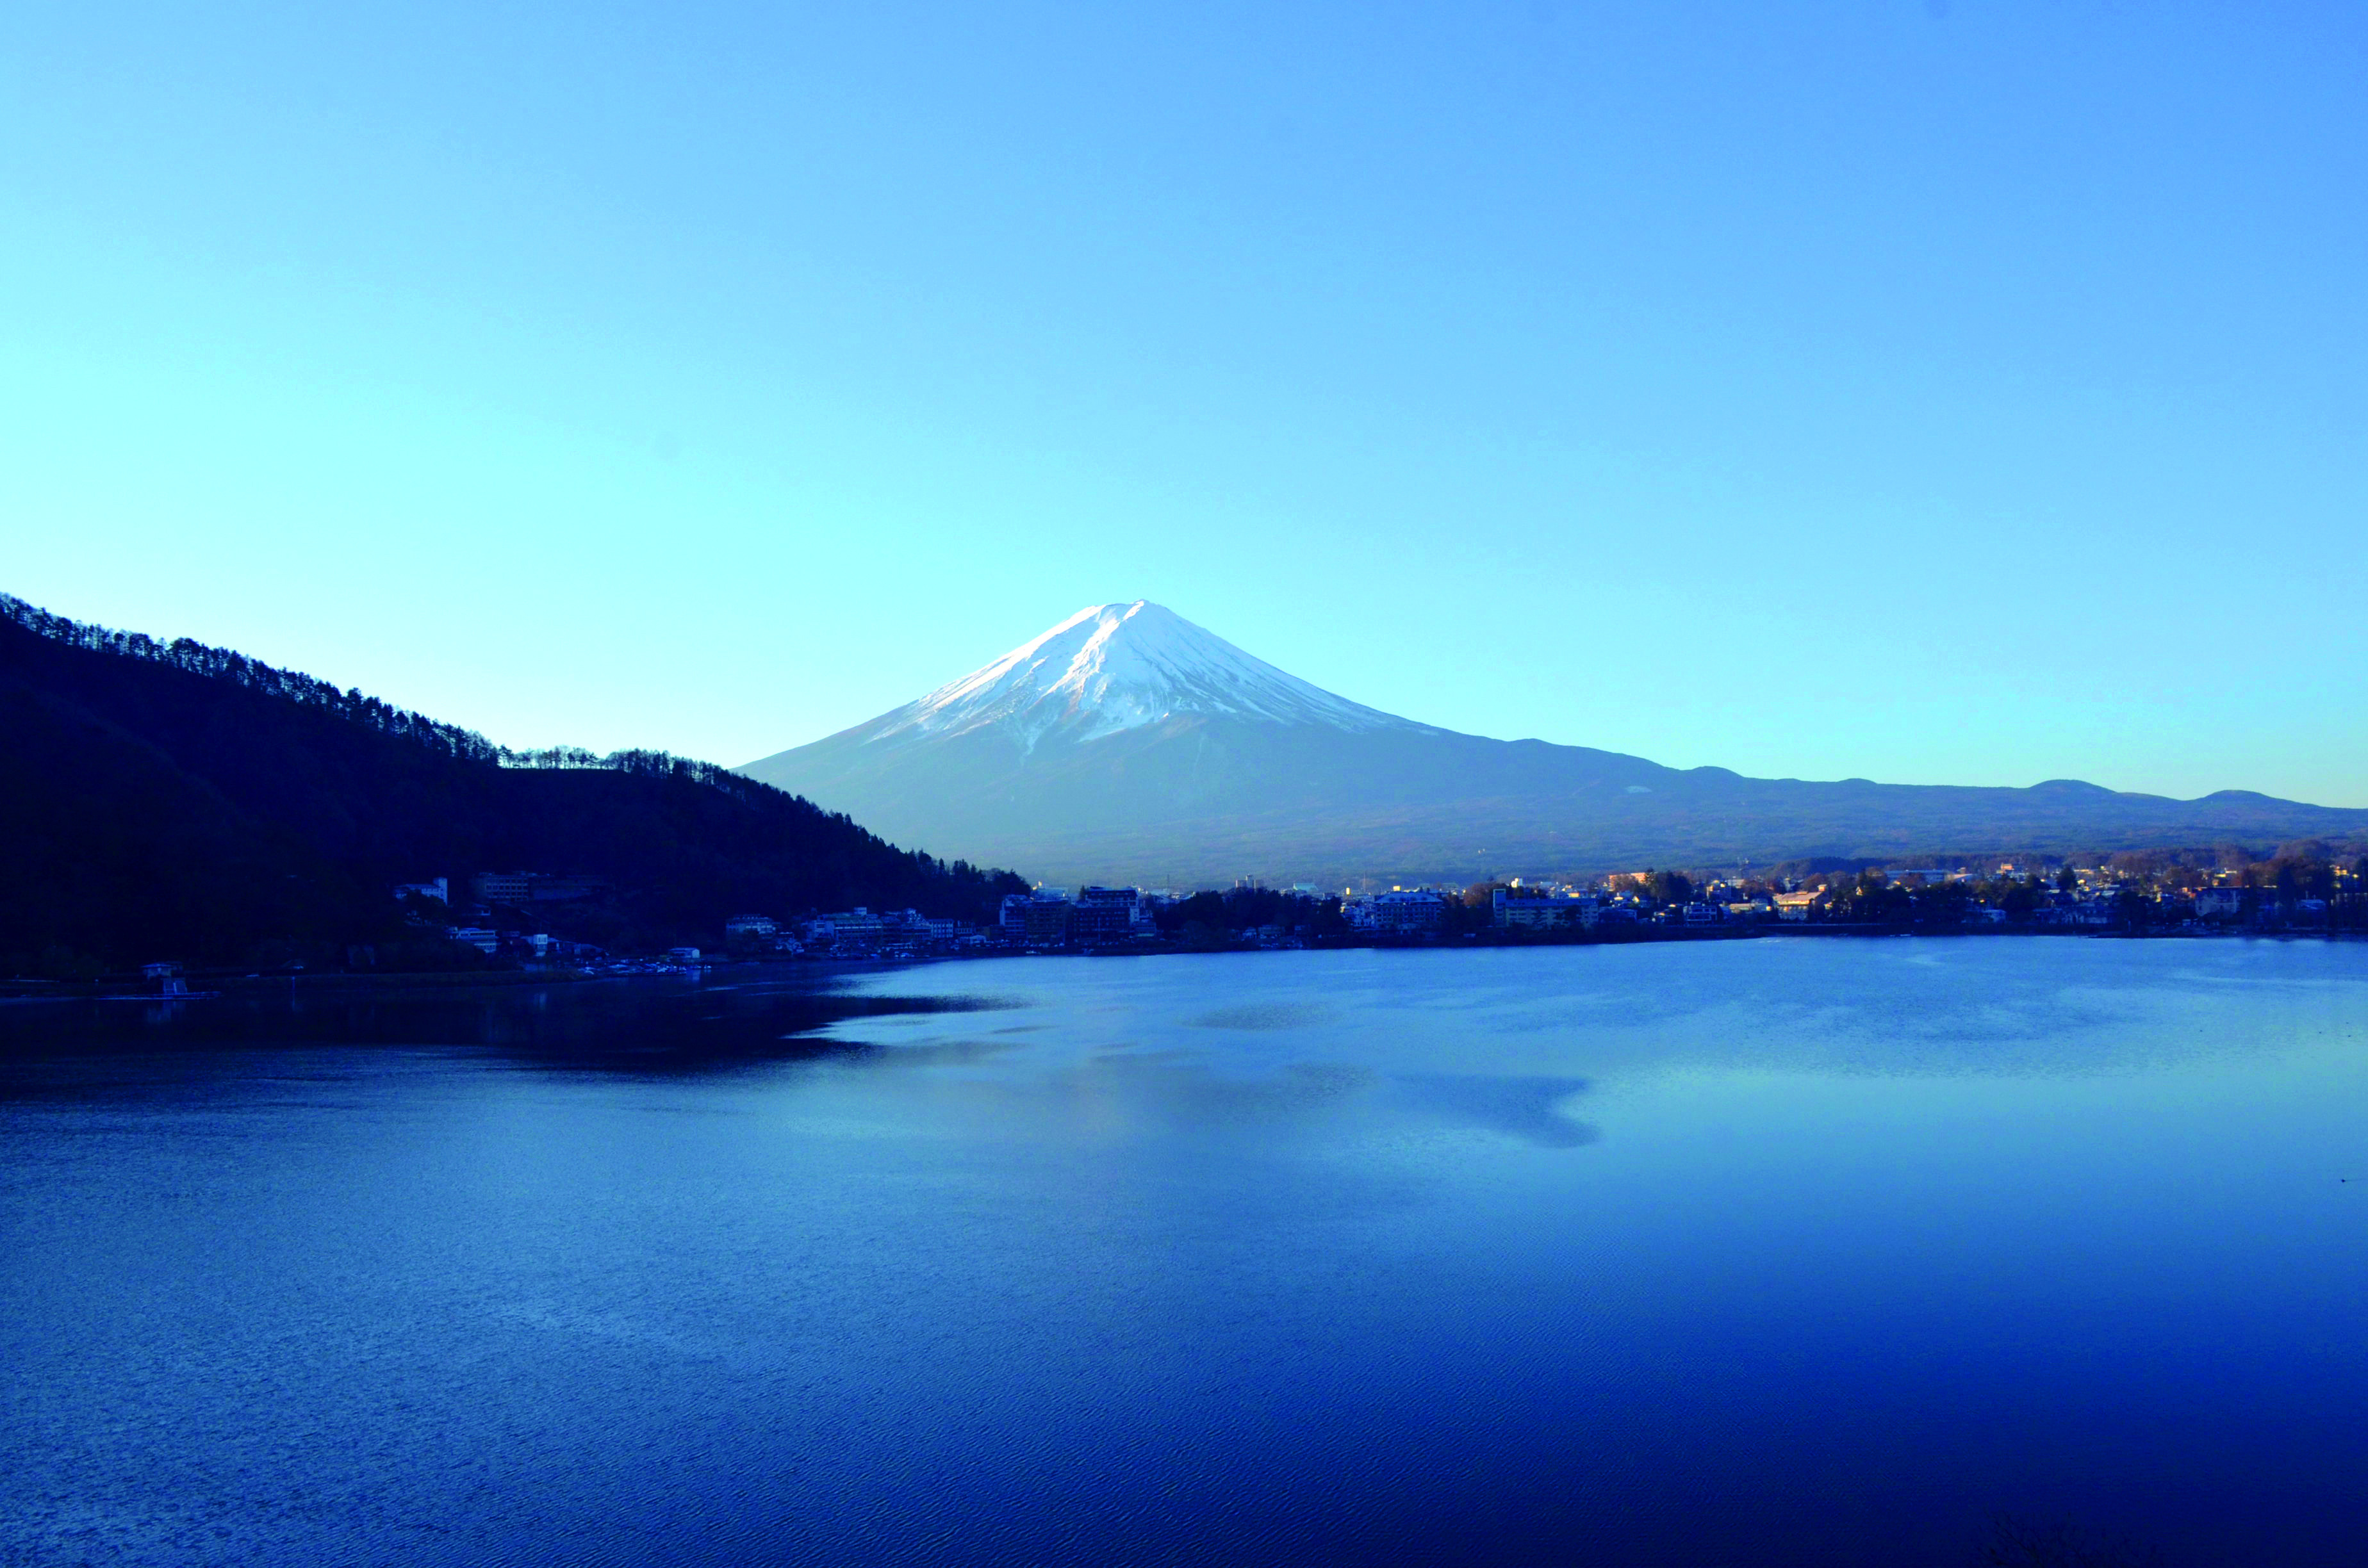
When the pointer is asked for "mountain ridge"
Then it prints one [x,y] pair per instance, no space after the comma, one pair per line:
[1158,775]
[175,801]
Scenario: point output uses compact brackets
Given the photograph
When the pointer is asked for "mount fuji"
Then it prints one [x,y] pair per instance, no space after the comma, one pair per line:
[1127,744]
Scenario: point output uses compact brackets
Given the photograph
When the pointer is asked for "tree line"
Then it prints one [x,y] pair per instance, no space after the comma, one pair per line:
[170,801]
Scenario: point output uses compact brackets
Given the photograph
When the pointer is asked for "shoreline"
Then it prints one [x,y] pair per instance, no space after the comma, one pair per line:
[211,985]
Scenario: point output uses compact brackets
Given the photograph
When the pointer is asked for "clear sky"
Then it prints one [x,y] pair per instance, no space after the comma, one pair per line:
[1929,391]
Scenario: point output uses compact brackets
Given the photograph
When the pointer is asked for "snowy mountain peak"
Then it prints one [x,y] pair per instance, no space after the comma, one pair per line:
[1118,666]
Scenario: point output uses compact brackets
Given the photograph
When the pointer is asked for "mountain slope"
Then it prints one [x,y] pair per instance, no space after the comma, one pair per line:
[1111,668]
[185,802]
[1128,742]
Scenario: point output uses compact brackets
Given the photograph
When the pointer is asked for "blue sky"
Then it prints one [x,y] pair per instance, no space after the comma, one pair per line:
[1934,393]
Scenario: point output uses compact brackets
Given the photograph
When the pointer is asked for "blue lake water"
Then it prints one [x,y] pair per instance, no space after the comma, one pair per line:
[1787,1251]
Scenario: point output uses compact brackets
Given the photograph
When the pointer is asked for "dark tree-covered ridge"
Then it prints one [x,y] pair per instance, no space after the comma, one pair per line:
[170,800]
[227,665]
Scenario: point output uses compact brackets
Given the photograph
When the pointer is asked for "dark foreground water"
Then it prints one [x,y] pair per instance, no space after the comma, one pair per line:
[1783,1252]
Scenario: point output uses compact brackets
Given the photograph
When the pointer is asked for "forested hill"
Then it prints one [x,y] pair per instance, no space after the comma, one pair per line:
[171,801]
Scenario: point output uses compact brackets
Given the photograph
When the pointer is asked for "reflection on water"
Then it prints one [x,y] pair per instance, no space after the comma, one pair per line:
[1527,1109]
[668,1025]
[1266,1015]
[1766,1253]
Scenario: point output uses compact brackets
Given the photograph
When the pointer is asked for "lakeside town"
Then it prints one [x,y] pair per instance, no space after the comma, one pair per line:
[2308,888]
[523,924]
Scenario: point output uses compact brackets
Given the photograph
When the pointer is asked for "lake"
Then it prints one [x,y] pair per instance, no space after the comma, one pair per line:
[1788,1250]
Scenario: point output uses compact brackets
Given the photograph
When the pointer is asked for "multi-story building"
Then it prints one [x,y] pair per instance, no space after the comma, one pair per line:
[1011,918]
[858,926]
[516,889]
[1105,915]
[1537,909]
[1038,919]
[544,889]
[1045,921]
[1408,910]
[501,887]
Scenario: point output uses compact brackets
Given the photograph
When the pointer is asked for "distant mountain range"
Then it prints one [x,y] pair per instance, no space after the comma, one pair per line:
[1128,744]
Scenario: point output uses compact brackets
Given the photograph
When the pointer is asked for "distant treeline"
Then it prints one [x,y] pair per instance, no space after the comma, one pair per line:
[236,669]
[173,801]
[293,686]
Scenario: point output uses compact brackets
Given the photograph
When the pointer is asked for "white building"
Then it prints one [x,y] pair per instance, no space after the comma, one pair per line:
[2219,902]
[1399,910]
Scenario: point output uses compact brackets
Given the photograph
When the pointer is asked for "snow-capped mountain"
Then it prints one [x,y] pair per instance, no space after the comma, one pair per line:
[1128,744]
[1120,666]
